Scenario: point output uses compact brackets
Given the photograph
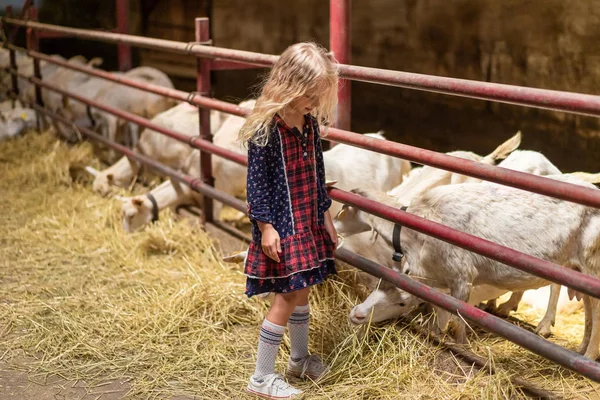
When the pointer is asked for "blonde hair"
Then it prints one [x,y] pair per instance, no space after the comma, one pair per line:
[300,70]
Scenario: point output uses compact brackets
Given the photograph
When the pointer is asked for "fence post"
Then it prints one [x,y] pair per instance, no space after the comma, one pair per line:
[124,51]
[33,43]
[203,89]
[14,94]
[13,33]
[339,43]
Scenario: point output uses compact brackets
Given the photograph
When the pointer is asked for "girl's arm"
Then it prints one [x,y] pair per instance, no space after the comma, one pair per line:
[258,189]
[257,184]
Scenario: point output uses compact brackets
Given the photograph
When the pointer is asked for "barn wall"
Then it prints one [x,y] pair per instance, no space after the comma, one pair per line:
[173,20]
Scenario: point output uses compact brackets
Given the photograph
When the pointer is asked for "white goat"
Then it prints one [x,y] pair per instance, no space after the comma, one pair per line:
[353,167]
[424,178]
[547,228]
[183,118]
[520,160]
[230,177]
[16,121]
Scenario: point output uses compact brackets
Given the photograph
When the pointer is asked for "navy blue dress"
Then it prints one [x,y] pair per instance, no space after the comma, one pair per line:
[286,188]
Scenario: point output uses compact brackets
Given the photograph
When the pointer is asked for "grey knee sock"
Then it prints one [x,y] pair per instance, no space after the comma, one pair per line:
[298,325]
[268,345]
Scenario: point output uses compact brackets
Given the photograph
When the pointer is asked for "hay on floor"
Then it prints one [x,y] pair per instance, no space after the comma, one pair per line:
[158,307]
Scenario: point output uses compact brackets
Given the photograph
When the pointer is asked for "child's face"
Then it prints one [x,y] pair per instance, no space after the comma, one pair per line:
[311,100]
[305,104]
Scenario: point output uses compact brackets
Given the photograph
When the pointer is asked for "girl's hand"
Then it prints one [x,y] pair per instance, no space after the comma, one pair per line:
[330,228]
[271,243]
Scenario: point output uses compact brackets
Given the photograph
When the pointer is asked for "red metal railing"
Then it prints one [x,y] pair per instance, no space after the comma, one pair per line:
[203,89]
[194,182]
[527,340]
[536,266]
[577,103]
[540,98]
[530,341]
[520,180]
[24,10]
[122,11]
[124,51]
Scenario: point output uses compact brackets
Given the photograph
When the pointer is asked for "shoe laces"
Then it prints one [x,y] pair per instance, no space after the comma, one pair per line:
[277,382]
[309,361]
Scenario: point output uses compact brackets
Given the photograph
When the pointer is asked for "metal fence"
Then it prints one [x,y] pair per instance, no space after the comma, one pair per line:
[209,56]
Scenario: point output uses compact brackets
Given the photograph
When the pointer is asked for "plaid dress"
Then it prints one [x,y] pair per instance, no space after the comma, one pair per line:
[286,188]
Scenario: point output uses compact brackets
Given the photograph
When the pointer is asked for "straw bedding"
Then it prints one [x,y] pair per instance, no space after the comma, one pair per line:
[88,301]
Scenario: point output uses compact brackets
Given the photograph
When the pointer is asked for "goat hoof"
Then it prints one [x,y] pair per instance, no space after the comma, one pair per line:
[543,331]
[503,312]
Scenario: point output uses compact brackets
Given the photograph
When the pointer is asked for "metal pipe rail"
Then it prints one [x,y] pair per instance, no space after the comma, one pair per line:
[577,103]
[339,43]
[552,272]
[542,268]
[524,262]
[520,180]
[194,182]
[536,266]
[192,98]
[530,341]
[193,141]
[190,48]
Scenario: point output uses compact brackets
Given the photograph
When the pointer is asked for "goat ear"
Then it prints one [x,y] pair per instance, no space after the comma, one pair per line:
[78,58]
[137,202]
[235,257]
[342,213]
[340,242]
[95,62]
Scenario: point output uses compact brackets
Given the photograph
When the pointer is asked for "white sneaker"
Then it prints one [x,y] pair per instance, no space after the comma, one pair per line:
[272,386]
[311,366]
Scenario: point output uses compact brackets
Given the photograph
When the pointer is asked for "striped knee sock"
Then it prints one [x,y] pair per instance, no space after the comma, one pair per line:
[268,345]
[298,325]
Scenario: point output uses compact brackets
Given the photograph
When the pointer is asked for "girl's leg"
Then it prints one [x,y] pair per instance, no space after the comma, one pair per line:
[298,326]
[301,364]
[282,307]
[265,382]
[271,333]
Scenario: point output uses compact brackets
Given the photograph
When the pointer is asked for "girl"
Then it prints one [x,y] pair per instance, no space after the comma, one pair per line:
[293,238]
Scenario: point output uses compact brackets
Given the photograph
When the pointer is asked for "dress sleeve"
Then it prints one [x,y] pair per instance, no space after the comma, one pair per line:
[324,199]
[258,185]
